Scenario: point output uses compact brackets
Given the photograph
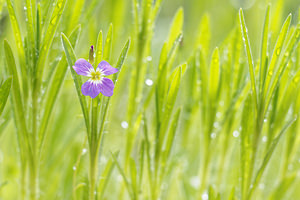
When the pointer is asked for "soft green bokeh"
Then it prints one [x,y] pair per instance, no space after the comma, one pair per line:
[214,105]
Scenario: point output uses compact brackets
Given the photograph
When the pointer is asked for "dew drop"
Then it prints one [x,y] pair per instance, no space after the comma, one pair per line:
[213,135]
[264,138]
[221,103]
[216,124]
[149,82]
[236,133]
[204,196]
[25,8]
[74,168]
[265,120]
[195,182]
[261,186]
[84,151]
[149,58]
[124,124]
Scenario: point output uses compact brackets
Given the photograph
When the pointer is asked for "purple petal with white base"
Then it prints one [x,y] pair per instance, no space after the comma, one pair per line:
[91,88]
[106,68]
[107,87]
[83,67]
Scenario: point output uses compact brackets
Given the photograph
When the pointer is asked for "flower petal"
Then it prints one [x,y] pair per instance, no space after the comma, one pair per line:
[106,68]
[83,67]
[107,87]
[91,88]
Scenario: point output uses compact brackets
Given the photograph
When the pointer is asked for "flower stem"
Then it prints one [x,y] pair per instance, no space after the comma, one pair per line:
[93,150]
[33,182]
[93,176]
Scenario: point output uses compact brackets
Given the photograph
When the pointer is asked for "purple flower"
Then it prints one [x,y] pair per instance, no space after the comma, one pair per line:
[97,82]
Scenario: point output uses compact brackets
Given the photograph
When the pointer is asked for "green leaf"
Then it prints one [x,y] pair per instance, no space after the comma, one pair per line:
[156,9]
[47,41]
[106,174]
[16,100]
[114,79]
[249,55]
[169,105]
[30,29]
[108,44]
[268,157]
[283,61]
[214,75]
[55,86]
[246,144]
[127,183]
[169,141]
[264,51]
[76,13]
[133,173]
[71,59]
[20,48]
[4,92]
[283,187]
[99,48]
[204,35]
[166,58]
[121,60]
[176,28]
[276,53]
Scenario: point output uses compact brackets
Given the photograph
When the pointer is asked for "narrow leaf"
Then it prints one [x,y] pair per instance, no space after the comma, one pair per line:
[4,92]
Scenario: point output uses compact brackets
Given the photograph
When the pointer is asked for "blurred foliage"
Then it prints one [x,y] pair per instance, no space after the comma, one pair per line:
[200,145]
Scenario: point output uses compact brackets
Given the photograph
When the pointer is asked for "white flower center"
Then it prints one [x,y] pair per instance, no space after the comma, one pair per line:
[96,76]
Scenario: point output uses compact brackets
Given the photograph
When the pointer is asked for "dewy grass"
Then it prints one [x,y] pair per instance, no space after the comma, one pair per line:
[178,111]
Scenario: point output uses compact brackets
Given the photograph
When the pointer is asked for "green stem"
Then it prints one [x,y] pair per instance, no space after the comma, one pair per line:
[32,154]
[33,175]
[93,175]
[258,131]
[23,180]
[93,150]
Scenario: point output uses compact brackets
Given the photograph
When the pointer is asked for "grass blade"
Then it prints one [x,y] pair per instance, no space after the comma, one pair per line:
[106,174]
[16,100]
[176,28]
[268,157]
[127,183]
[283,61]
[204,34]
[99,48]
[71,59]
[214,75]
[108,44]
[47,41]
[4,92]
[264,51]
[55,86]
[170,139]
[21,51]
[249,55]
[276,53]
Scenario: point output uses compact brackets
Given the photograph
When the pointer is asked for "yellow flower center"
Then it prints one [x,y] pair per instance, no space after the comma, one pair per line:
[96,75]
